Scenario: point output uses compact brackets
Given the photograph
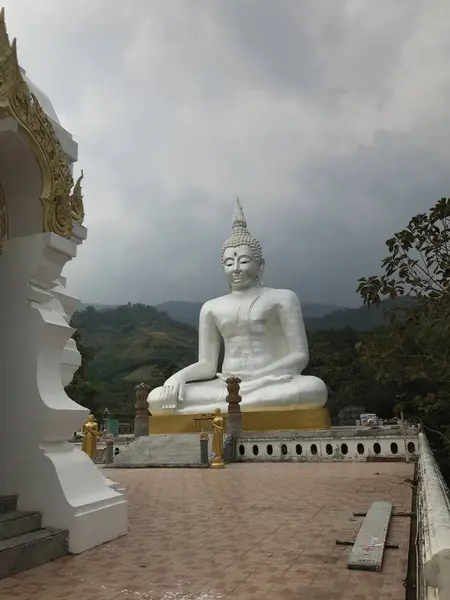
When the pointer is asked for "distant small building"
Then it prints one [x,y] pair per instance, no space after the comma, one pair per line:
[350,414]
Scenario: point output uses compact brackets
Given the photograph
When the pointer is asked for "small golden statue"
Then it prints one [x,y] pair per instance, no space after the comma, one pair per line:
[217,441]
[91,432]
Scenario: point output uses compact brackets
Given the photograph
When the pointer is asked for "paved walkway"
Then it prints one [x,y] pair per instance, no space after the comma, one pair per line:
[249,532]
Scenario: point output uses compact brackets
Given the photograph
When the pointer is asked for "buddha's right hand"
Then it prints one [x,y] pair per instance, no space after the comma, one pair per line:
[171,392]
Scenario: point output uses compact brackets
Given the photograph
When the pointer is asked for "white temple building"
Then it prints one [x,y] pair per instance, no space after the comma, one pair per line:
[41,226]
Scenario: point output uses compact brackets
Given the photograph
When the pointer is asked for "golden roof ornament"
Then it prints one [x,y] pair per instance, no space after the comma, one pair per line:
[61,205]
[76,201]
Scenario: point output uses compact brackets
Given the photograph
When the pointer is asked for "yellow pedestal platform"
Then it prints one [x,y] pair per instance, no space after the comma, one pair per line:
[277,420]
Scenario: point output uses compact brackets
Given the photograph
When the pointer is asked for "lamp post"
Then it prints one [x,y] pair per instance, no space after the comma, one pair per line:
[403,425]
[105,419]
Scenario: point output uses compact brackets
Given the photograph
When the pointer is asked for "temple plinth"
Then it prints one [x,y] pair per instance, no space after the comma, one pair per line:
[281,420]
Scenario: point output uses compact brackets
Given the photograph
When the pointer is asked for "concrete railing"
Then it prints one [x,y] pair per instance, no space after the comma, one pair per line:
[119,443]
[340,444]
[433,526]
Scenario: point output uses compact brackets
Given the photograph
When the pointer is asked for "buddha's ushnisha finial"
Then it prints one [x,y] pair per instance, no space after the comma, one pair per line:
[241,236]
[239,218]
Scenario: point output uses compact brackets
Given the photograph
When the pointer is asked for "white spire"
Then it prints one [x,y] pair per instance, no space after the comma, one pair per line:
[239,218]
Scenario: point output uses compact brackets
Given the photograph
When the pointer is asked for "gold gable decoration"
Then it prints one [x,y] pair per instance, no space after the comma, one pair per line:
[61,205]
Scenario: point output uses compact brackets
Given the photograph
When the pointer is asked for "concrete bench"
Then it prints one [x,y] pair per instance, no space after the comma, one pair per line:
[368,549]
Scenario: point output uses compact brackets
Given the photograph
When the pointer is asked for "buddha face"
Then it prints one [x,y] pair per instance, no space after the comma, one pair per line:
[241,268]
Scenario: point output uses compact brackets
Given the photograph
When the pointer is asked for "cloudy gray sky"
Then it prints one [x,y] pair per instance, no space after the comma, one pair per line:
[330,120]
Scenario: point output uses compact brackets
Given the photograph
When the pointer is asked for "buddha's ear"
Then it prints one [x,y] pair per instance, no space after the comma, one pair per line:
[262,264]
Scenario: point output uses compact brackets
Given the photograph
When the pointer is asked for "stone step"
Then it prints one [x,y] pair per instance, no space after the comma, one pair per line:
[162,450]
[368,549]
[8,504]
[16,523]
[32,549]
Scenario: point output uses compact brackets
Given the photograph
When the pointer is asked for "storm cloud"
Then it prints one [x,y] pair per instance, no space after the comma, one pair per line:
[330,120]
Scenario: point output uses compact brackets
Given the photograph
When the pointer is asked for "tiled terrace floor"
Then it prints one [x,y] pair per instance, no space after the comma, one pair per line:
[253,531]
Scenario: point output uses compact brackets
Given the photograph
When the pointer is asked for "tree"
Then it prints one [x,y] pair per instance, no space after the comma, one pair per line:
[81,391]
[335,359]
[413,350]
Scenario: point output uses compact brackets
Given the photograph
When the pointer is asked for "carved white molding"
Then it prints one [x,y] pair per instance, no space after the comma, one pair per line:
[434,525]
[47,473]
[71,358]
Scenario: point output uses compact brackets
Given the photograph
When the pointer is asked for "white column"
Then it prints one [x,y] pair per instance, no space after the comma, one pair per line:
[71,358]
[47,472]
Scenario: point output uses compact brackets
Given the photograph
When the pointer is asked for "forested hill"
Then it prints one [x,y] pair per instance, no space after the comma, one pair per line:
[359,319]
[317,316]
[188,312]
[131,344]
[135,343]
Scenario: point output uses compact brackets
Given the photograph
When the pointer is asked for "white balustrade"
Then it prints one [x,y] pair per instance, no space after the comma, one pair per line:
[434,526]
[328,446]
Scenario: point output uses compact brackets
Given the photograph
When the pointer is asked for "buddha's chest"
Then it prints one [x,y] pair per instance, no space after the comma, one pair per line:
[247,317]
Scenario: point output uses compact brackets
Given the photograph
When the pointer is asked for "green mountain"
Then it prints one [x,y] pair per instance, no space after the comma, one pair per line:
[131,344]
[136,343]
[317,316]
[358,319]
[184,312]
[188,312]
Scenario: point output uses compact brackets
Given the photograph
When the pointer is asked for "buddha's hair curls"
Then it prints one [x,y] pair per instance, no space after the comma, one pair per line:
[241,236]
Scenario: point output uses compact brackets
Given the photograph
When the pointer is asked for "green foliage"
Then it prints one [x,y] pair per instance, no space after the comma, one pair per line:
[128,344]
[317,317]
[134,343]
[413,351]
[80,390]
[418,263]
[358,319]
[335,359]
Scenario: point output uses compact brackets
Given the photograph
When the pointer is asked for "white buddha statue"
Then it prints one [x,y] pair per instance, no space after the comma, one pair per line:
[264,338]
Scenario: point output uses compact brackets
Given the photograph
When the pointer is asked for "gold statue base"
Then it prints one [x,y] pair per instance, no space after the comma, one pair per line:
[270,420]
[217,463]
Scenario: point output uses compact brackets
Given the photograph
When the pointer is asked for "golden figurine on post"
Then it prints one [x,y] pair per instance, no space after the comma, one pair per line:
[217,441]
[91,432]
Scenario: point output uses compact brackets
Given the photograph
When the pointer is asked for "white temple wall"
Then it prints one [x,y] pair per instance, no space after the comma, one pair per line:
[21,181]
[37,359]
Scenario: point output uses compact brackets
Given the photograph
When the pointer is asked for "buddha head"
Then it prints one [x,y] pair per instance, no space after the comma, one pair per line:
[242,257]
